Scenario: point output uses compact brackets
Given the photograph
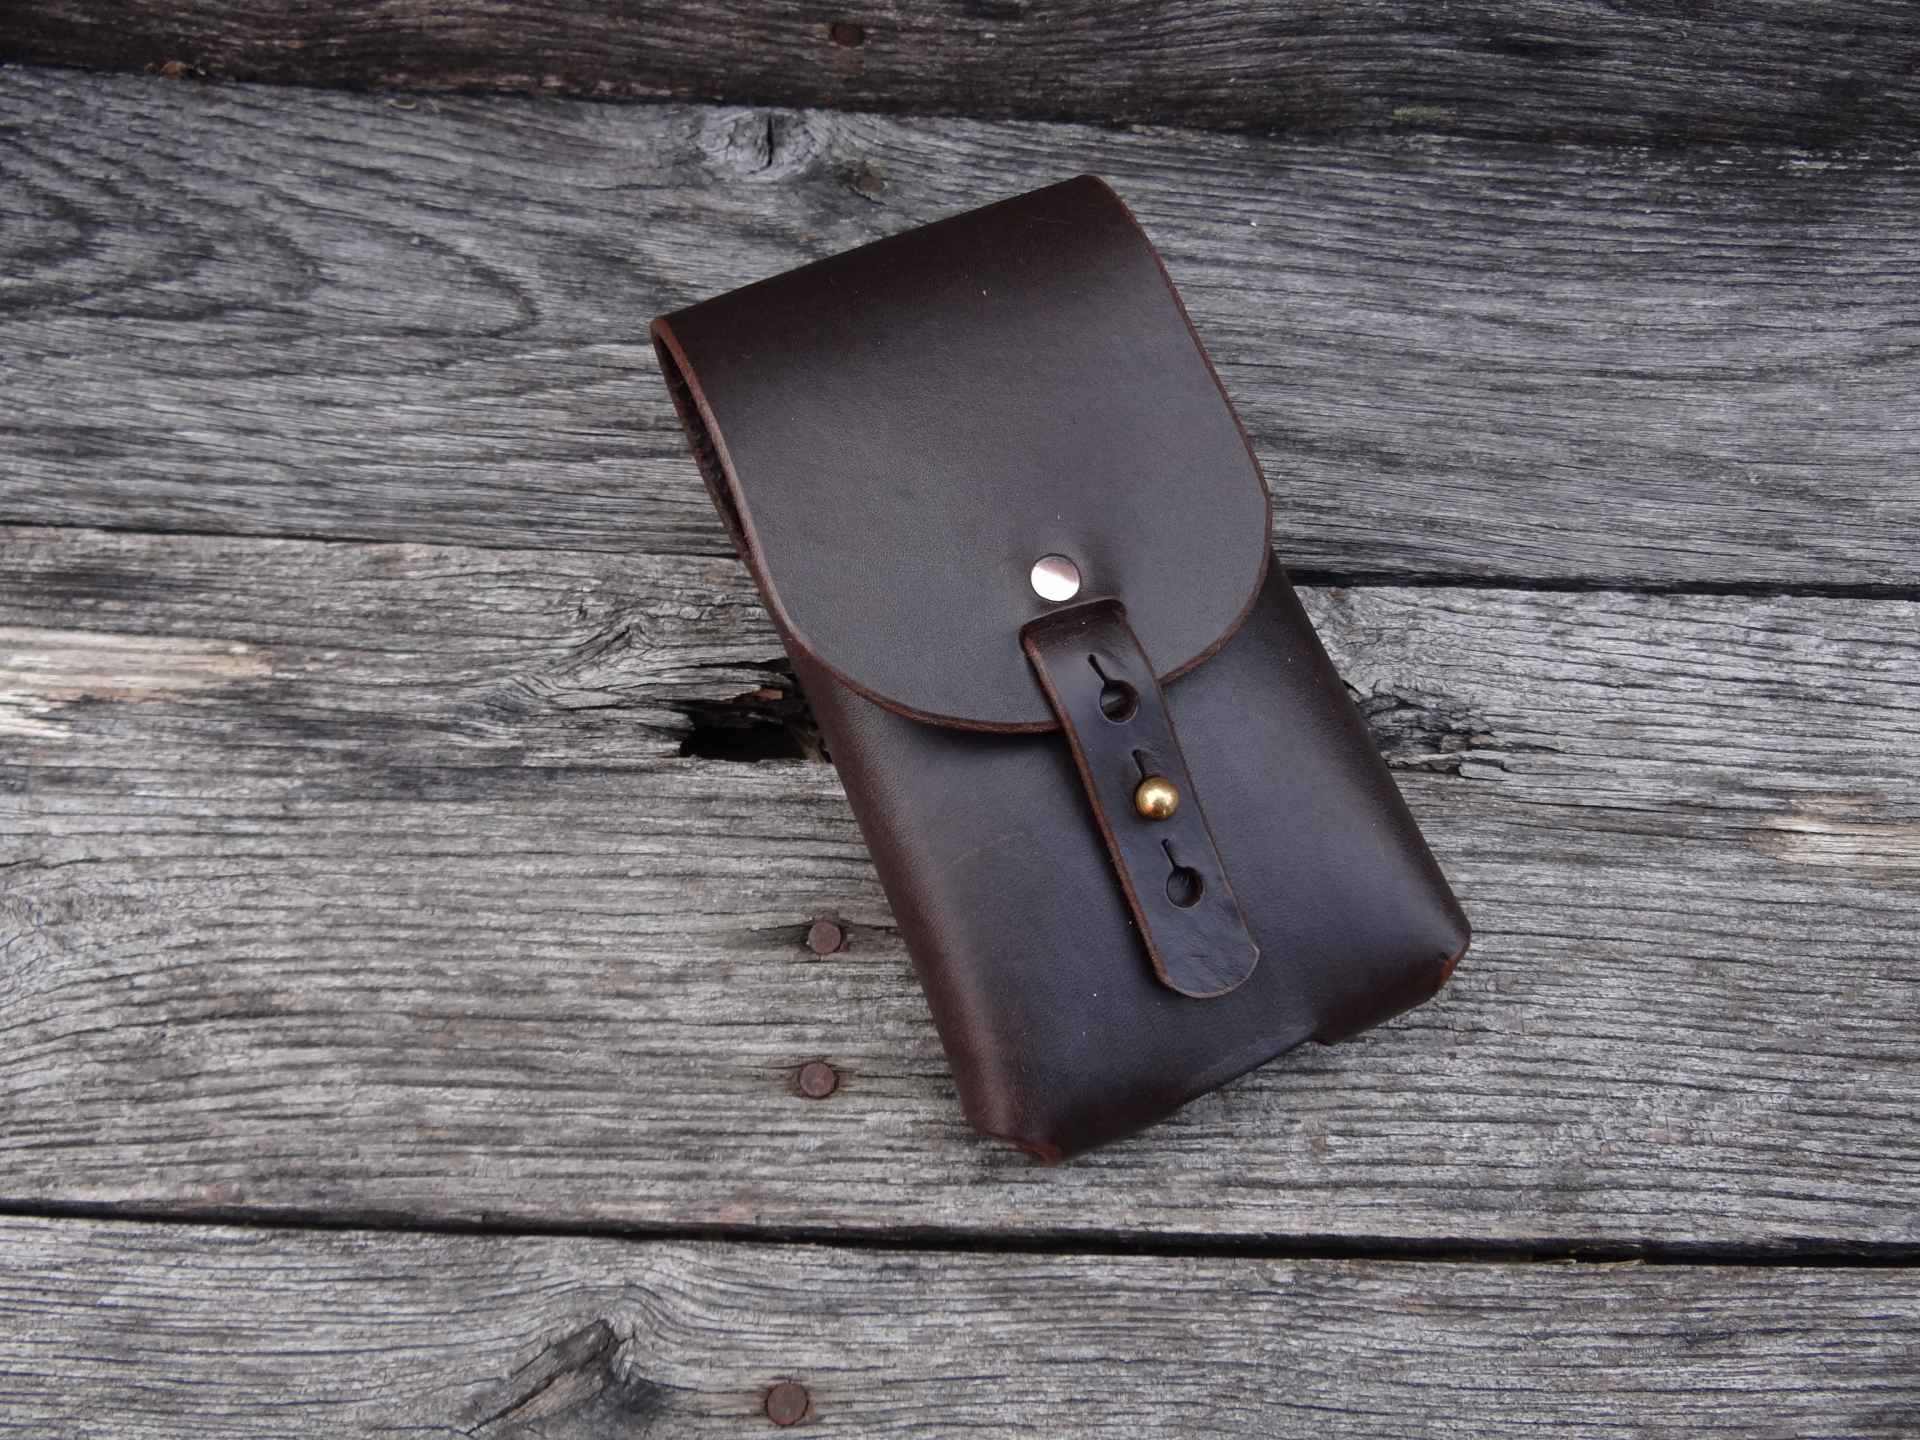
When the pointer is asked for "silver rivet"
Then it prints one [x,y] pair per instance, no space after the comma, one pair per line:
[1055,577]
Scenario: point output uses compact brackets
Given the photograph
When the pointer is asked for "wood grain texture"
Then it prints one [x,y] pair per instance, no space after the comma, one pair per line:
[284,312]
[134,1331]
[1550,69]
[355,879]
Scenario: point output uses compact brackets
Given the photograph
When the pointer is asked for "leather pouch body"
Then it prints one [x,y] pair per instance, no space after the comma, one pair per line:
[1059,1034]
[1023,915]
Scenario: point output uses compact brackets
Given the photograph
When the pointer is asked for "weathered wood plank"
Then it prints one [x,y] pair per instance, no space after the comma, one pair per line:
[1745,70]
[127,1330]
[342,879]
[288,312]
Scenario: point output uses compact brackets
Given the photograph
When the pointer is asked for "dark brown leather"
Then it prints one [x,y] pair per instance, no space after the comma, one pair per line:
[891,457]
[1059,1034]
[1116,723]
[901,431]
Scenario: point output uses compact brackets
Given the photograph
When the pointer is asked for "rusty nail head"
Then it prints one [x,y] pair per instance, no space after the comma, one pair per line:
[847,33]
[824,937]
[818,1080]
[787,1403]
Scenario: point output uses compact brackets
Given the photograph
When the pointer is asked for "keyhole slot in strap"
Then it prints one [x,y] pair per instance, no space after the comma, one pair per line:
[1118,700]
[1115,719]
[1185,886]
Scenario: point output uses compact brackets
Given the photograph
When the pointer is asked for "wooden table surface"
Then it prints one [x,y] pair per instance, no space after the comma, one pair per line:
[410,832]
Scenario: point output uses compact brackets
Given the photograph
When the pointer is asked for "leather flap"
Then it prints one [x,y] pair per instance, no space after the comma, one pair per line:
[896,434]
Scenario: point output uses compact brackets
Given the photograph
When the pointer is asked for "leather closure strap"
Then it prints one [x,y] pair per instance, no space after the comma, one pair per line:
[1100,684]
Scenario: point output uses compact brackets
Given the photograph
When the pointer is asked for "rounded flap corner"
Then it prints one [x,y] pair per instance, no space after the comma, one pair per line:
[899,434]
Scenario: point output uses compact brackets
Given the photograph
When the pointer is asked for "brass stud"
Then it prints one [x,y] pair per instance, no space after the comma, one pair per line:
[1157,797]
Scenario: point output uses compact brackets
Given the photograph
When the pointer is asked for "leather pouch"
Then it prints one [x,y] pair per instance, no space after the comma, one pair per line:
[1135,835]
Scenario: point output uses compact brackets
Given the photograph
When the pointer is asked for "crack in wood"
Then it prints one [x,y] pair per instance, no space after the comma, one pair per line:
[1430,734]
[772,722]
[578,1377]
[1434,734]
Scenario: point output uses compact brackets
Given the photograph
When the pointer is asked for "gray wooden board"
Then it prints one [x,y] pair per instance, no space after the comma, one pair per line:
[113,1330]
[1844,70]
[366,879]
[230,309]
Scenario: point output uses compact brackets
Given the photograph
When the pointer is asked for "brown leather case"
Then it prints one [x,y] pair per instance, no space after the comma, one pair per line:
[894,437]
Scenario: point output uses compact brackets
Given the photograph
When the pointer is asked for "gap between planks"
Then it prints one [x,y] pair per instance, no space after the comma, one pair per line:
[906,1239]
[1577,69]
